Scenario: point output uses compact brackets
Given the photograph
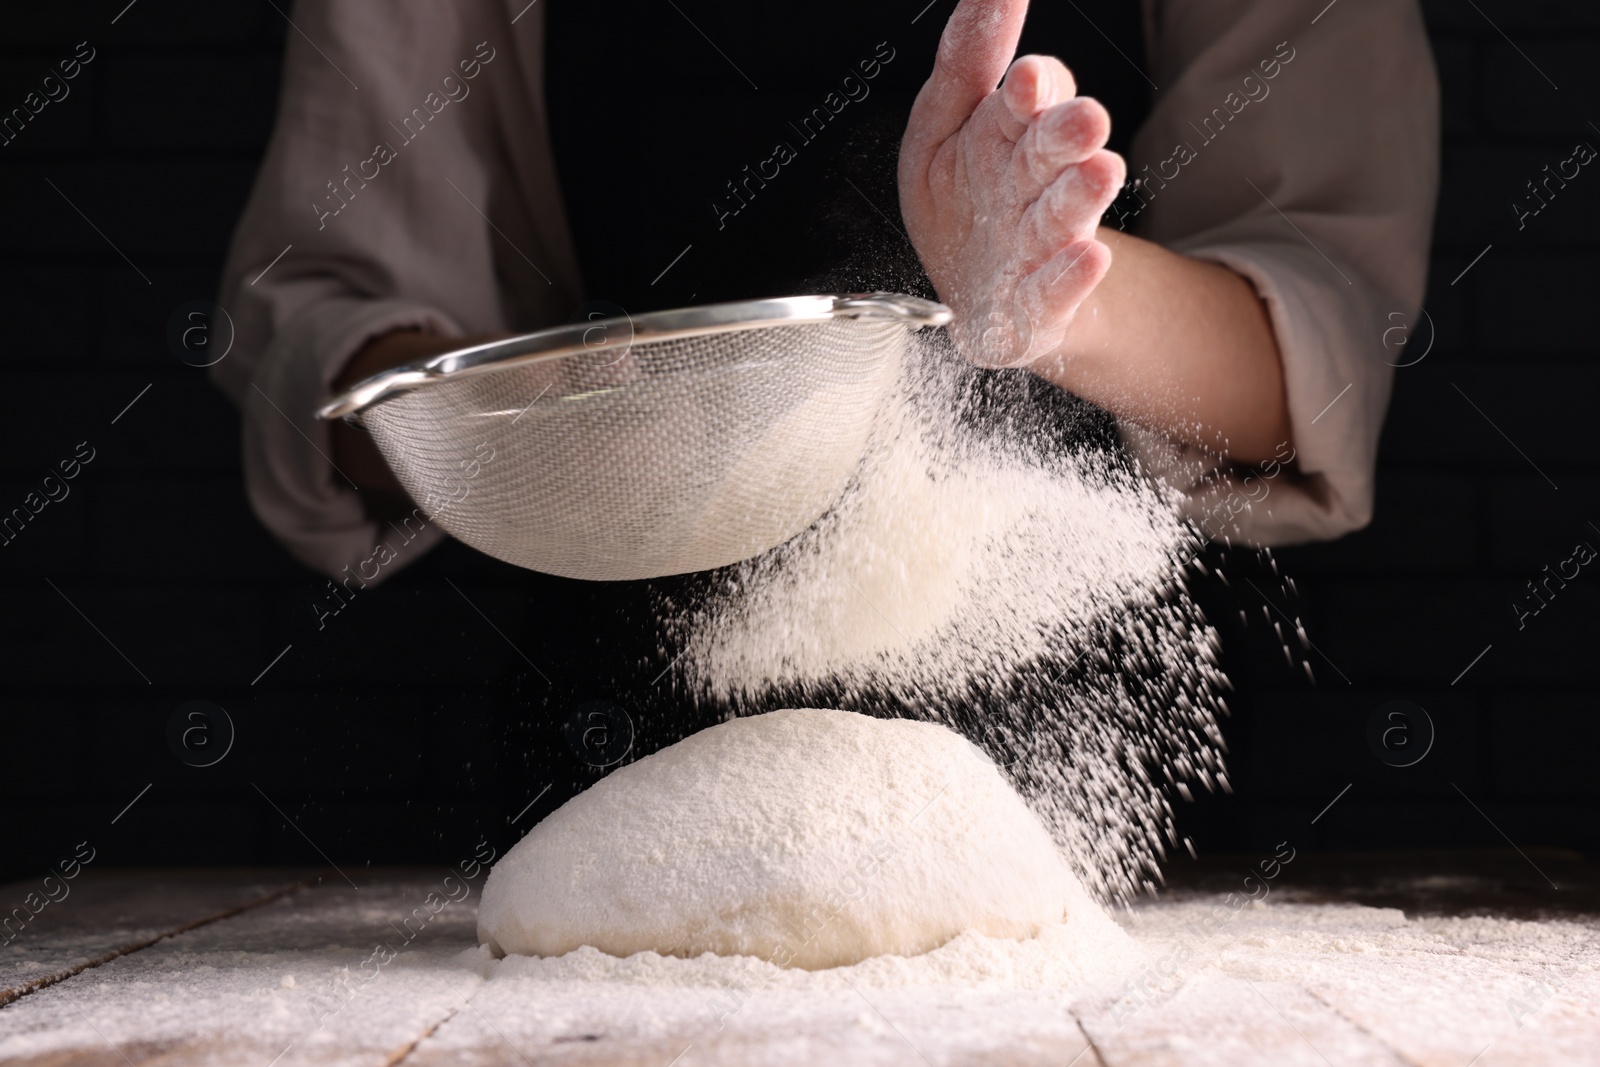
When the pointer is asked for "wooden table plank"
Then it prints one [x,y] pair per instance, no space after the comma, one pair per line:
[1560,1034]
[516,1020]
[1231,1022]
[294,981]
[1298,979]
[1470,990]
[102,914]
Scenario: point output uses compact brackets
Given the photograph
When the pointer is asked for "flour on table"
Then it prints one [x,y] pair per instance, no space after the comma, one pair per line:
[805,838]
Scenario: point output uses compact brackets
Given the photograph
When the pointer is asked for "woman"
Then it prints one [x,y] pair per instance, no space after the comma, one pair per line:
[1229,310]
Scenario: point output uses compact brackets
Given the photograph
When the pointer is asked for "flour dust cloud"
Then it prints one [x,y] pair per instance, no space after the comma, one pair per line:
[986,573]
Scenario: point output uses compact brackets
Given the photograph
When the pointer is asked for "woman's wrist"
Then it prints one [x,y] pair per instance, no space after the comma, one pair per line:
[1179,345]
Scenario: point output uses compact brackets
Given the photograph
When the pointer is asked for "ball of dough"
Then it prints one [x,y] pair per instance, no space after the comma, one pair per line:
[808,838]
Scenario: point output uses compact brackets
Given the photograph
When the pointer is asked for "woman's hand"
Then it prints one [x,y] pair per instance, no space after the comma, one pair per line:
[1002,189]
[354,453]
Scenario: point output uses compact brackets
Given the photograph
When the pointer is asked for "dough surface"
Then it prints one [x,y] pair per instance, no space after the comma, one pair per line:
[806,837]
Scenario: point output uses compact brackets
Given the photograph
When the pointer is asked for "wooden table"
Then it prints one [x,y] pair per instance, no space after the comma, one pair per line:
[1452,960]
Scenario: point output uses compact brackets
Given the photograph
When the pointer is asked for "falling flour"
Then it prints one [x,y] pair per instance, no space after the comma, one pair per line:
[978,574]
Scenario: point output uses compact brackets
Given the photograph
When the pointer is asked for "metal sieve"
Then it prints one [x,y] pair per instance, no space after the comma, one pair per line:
[646,445]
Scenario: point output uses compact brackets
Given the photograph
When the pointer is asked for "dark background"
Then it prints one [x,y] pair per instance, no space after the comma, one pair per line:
[420,718]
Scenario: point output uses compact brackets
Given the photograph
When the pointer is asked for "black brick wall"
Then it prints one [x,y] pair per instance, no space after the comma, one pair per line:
[411,724]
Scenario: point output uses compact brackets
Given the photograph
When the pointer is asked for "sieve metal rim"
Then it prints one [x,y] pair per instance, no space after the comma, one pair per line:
[571,339]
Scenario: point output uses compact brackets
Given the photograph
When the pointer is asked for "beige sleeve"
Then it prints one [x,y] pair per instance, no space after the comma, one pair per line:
[368,215]
[1305,157]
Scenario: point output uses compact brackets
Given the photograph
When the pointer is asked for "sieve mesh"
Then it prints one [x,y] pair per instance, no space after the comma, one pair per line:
[678,455]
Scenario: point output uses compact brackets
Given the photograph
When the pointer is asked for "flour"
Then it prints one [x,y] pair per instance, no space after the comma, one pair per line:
[978,576]
[803,838]
[948,537]
[1087,952]
[1434,989]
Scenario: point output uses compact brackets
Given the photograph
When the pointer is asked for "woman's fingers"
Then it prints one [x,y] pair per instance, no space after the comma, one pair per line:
[1020,323]
[1052,293]
[1002,188]
[978,42]
[1070,207]
[1061,136]
[1033,85]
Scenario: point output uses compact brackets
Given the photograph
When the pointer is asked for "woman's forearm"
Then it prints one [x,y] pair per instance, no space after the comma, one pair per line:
[1180,346]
